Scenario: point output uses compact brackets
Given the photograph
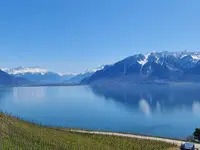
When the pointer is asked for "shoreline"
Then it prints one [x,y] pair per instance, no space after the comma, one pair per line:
[106,133]
[143,137]
[170,83]
[173,141]
[16,132]
[71,129]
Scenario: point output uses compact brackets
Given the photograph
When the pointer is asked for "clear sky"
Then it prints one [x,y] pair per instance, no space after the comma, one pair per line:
[72,35]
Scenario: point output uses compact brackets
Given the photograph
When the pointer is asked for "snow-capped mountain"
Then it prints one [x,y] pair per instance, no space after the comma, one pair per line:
[181,66]
[86,74]
[38,75]
[93,70]
[6,79]
[23,70]
[153,66]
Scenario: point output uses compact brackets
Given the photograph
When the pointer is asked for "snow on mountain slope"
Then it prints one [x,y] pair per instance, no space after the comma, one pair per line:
[184,59]
[23,70]
[6,79]
[93,70]
[37,70]
[39,75]
[86,74]
[145,60]
[33,70]
[154,65]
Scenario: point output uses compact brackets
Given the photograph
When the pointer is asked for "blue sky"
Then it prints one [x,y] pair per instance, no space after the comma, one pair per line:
[72,35]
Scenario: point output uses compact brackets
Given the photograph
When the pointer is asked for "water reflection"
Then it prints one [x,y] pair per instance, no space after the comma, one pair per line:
[196,108]
[145,107]
[4,92]
[29,94]
[163,110]
[153,98]
[158,109]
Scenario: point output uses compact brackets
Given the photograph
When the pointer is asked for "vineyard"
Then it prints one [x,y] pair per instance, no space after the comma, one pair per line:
[16,134]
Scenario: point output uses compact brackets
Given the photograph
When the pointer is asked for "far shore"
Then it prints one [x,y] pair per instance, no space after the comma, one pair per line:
[170,83]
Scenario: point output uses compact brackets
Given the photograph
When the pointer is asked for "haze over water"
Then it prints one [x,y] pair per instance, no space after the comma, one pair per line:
[167,111]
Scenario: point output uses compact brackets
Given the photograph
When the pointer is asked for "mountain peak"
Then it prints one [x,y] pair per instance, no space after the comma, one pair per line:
[93,70]
[164,65]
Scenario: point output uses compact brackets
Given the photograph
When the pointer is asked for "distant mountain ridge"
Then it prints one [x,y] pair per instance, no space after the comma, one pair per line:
[38,75]
[81,76]
[154,66]
[8,80]
[23,70]
[42,76]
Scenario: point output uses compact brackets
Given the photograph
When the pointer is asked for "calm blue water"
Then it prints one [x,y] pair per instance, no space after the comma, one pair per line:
[161,111]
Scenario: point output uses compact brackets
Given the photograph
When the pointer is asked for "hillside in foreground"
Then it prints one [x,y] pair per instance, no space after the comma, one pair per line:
[18,134]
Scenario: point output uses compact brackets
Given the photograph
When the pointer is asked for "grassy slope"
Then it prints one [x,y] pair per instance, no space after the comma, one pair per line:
[17,133]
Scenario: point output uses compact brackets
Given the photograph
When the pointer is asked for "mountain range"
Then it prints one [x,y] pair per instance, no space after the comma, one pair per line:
[152,67]
[37,75]
[84,75]
[7,80]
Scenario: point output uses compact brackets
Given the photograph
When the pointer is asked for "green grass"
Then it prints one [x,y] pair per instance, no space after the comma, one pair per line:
[21,135]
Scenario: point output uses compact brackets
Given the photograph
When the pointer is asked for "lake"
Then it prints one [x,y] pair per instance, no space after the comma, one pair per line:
[167,111]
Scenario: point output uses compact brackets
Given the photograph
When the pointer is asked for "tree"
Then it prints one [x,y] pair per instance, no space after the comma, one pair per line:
[197,133]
